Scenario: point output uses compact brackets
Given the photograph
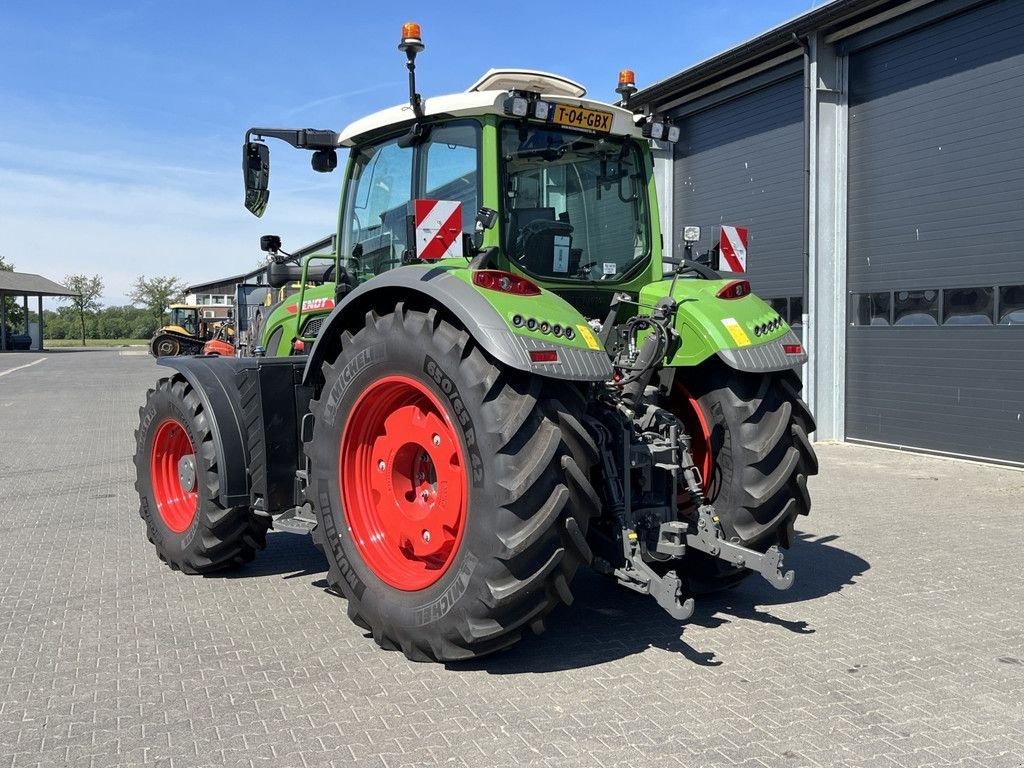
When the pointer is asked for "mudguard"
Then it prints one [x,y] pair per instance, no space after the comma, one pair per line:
[745,333]
[487,326]
[253,406]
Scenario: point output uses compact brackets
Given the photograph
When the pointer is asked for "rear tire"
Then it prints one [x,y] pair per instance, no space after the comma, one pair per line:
[750,440]
[191,531]
[517,536]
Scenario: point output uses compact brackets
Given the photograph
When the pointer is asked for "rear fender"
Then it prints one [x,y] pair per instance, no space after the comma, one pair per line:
[438,287]
[735,330]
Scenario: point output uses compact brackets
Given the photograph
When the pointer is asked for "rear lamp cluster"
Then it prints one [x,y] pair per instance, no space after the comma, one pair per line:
[766,328]
[543,326]
[660,131]
[521,106]
[505,282]
[736,289]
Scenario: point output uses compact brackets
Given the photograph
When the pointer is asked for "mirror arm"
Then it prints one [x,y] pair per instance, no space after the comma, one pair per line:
[300,138]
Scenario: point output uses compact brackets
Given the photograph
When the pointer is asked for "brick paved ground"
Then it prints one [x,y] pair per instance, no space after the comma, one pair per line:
[902,643]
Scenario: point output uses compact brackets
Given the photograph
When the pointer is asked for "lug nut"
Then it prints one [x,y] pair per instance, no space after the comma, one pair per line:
[436,440]
[426,536]
[381,465]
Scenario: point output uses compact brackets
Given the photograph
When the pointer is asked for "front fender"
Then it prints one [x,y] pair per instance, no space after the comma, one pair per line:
[440,287]
[214,381]
[253,408]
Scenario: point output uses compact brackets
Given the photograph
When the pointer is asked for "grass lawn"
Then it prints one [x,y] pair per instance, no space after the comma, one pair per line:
[53,343]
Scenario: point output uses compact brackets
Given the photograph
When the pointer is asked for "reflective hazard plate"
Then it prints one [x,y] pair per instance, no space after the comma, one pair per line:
[588,336]
[737,332]
[580,117]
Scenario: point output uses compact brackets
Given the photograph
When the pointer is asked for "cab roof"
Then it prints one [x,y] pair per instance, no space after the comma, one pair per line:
[487,96]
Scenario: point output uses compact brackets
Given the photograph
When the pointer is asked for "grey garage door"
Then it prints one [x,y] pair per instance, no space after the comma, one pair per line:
[740,162]
[936,237]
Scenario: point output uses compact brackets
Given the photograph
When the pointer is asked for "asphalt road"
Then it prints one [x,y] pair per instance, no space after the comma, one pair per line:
[901,644]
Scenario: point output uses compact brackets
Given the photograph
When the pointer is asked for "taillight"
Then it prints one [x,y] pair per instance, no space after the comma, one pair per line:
[505,282]
[793,349]
[737,289]
[543,356]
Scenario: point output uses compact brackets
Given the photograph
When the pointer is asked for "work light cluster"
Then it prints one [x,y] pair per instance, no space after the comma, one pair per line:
[554,329]
[765,328]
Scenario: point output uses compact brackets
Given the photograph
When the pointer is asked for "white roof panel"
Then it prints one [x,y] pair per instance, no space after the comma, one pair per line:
[475,103]
[527,80]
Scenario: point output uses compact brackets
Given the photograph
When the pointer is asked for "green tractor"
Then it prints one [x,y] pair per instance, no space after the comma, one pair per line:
[513,382]
[303,292]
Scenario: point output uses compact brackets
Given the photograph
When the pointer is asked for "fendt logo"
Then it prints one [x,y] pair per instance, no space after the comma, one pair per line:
[312,305]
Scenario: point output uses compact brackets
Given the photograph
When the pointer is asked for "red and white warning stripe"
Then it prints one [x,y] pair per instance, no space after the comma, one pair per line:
[733,248]
[438,229]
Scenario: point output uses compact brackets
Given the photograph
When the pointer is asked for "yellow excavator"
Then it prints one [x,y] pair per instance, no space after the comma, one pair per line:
[186,333]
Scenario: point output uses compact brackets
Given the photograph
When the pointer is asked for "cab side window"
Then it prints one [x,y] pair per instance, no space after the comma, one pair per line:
[379,202]
[386,178]
[451,159]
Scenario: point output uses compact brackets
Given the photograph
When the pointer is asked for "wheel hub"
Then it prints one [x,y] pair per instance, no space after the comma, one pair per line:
[403,482]
[187,473]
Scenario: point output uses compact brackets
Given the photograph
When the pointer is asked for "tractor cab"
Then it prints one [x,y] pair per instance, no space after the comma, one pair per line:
[520,173]
[186,318]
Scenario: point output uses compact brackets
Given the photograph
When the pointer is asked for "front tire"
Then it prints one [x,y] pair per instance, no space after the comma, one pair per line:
[165,346]
[750,440]
[451,493]
[178,487]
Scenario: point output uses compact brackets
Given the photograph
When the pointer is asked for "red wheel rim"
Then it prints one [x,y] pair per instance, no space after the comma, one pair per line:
[173,472]
[403,482]
[700,433]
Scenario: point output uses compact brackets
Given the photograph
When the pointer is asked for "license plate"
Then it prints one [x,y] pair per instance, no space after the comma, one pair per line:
[581,117]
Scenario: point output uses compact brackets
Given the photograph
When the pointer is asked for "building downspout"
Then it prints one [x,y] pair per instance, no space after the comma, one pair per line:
[805,303]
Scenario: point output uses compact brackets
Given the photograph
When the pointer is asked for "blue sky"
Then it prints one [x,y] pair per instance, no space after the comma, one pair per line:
[121,123]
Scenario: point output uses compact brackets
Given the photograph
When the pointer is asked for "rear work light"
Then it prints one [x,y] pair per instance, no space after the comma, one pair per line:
[516,106]
[543,356]
[519,105]
[793,349]
[737,289]
[505,282]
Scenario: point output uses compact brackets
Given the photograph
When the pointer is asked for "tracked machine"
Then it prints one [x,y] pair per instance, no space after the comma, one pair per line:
[187,333]
[513,382]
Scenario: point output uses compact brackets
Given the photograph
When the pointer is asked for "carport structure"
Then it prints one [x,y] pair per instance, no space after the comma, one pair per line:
[25,284]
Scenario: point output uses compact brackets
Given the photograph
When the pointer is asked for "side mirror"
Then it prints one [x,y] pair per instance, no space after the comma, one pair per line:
[486,218]
[270,243]
[256,175]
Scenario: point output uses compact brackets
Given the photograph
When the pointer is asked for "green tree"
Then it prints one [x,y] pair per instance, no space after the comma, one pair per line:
[156,293]
[13,310]
[87,298]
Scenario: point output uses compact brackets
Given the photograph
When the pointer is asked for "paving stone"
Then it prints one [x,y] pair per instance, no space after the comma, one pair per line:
[900,644]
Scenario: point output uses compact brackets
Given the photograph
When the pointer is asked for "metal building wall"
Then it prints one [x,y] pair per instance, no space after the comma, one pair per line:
[740,161]
[936,204]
